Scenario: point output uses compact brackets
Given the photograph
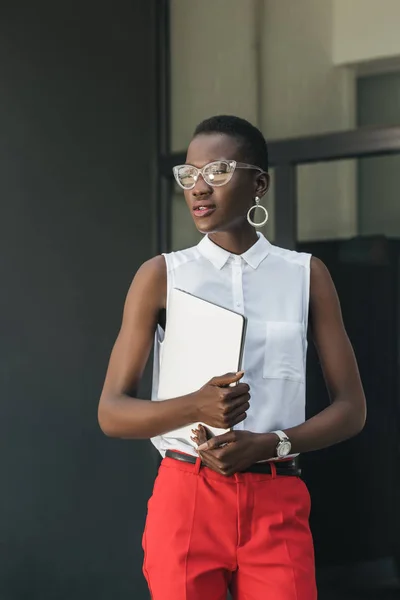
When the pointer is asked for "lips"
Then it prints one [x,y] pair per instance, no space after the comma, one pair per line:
[203,209]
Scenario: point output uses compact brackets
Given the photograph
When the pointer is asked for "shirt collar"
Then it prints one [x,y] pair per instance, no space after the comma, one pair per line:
[219,257]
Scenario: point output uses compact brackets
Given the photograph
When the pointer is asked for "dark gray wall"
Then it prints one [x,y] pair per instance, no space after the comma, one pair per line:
[77,147]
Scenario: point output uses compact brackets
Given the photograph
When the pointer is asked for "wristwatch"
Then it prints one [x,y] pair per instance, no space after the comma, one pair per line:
[284,446]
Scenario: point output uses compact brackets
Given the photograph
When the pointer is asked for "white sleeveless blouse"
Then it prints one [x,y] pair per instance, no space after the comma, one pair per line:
[271,287]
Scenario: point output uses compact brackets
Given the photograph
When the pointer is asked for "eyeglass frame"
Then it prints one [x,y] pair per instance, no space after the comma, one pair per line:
[233,164]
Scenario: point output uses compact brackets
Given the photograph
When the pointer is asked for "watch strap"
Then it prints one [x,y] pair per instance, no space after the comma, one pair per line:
[281,435]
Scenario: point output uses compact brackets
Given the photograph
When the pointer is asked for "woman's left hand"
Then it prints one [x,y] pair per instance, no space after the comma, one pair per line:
[233,451]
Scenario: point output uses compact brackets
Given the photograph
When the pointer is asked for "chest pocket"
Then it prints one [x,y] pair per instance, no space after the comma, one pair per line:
[284,356]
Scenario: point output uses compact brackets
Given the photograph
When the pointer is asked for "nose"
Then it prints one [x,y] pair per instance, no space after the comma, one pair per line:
[201,188]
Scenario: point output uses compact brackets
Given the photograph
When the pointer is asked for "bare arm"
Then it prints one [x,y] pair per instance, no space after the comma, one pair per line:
[345,417]
[121,413]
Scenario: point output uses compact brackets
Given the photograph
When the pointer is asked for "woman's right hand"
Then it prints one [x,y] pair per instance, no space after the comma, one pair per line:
[218,404]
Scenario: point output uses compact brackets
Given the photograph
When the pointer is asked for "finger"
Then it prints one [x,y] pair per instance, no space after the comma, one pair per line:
[202,439]
[206,431]
[204,434]
[209,460]
[231,405]
[241,417]
[241,389]
[200,434]
[222,459]
[231,418]
[227,379]
[218,441]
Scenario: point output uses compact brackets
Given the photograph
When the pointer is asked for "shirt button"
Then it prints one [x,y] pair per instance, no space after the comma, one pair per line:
[238,304]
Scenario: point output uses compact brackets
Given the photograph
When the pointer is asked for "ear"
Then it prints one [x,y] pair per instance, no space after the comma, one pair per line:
[262,184]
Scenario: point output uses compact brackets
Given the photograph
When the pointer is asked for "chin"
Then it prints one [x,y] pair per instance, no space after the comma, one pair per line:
[208,225]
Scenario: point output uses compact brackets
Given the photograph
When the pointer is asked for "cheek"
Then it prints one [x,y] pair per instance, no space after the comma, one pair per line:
[241,190]
[188,198]
[237,202]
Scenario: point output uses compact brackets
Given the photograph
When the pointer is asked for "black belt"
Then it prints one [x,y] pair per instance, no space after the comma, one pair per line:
[286,468]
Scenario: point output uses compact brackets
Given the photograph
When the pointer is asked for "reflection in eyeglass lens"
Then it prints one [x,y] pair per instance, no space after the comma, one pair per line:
[215,173]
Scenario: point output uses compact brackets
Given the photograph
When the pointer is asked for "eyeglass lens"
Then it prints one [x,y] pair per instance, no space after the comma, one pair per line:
[215,173]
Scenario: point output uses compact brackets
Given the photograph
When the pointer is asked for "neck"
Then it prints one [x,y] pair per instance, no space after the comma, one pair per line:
[235,242]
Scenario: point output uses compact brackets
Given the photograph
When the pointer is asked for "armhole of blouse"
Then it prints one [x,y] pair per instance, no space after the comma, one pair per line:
[168,266]
[307,290]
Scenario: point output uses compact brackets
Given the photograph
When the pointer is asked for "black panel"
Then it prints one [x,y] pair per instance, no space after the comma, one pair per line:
[77,150]
[354,485]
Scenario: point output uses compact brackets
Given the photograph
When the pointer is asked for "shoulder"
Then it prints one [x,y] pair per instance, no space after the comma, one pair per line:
[152,271]
[150,282]
[155,270]
[290,256]
[173,260]
[323,293]
[319,274]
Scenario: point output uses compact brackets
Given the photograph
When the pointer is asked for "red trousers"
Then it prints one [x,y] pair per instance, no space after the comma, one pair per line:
[206,533]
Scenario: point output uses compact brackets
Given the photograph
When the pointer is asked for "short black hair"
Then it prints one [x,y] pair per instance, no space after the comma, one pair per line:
[252,141]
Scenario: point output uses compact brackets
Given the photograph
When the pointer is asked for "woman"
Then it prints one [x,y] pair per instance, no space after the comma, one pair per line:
[233,512]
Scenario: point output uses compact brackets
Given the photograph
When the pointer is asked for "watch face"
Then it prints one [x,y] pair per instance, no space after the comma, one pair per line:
[284,448]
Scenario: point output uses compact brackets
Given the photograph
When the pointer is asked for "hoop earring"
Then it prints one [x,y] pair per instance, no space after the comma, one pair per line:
[257,205]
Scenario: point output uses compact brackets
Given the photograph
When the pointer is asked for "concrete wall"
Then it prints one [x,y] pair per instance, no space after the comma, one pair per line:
[77,149]
[214,63]
[366,31]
